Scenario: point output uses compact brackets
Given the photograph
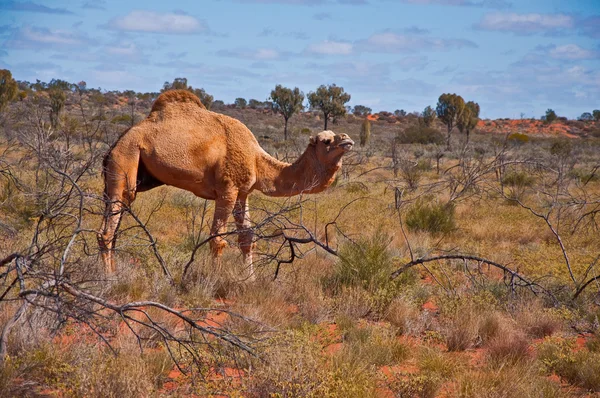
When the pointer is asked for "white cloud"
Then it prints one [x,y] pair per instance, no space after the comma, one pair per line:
[466,3]
[30,37]
[260,54]
[266,53]
[330,47]
[572,52]
[154,22]
[526,23]
[29,6]
[389,42]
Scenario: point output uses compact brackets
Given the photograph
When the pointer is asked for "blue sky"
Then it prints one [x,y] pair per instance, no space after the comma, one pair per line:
[511,56]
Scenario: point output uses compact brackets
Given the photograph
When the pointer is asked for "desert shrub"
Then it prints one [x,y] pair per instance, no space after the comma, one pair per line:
[416,386]
[294,367]
[585,176]
[418,134]
[367,263]
[364,346]
[518,138]
[432,217]
[510,381]
[517,179]
[353,302]
[581,368]
[410,173]
[553,350]
[88,370]
[561,148]
[593,344]
[122,119]
[433,361]
[424,164]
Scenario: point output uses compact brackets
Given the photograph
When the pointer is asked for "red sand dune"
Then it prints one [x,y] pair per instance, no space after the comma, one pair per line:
[530,127]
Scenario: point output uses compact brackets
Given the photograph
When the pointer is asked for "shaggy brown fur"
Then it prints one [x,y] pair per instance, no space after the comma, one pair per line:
[214,156]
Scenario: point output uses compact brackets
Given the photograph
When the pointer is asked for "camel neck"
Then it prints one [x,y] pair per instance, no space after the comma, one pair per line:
[305,175]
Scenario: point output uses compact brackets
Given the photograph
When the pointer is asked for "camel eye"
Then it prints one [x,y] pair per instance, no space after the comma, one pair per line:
[327,142]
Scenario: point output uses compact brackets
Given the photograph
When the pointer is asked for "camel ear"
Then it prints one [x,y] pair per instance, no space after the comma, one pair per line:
[313,141]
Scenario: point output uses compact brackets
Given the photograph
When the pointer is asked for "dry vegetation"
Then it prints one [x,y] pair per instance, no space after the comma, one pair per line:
[494,249]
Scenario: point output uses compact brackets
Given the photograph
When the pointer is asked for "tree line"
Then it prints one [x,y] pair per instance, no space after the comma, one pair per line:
[451,109]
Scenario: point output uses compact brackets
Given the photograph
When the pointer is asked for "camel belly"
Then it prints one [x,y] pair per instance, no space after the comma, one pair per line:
[183,167]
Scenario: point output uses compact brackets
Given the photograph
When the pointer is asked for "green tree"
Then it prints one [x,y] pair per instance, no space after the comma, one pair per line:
[255,104]
[596,114]
[361,110]
[365,132]
[330,100]
[286,102]
[400,113]
[8,88]
[468,119]
[429,116]
[448,109]
[57,91]
[131,103]
[205,98]
[240,103]
[57,104]
[550,116]
[180,83]
[586,117]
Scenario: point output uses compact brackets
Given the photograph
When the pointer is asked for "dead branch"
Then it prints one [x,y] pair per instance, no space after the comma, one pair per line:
[525,282]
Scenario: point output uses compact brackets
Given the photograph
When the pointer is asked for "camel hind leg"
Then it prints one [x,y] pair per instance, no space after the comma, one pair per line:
[120,174]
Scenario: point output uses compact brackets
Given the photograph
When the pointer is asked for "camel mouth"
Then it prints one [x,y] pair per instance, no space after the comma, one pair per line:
[346,144]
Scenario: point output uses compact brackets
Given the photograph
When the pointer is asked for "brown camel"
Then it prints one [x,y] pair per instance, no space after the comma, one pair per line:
[214,156]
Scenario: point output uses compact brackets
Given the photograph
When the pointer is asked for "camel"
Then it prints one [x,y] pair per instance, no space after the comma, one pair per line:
[214,156]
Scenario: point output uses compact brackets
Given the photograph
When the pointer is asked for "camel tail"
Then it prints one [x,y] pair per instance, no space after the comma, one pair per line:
[175,96]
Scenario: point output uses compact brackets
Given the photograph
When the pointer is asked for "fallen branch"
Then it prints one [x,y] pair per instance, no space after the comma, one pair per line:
[513,274]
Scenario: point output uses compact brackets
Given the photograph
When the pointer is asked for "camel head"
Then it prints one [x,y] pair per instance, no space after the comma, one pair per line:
[330,147]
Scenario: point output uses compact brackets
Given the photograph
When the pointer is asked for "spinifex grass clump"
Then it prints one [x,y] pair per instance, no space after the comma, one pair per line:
[518,179]
[429,216]
[367,263]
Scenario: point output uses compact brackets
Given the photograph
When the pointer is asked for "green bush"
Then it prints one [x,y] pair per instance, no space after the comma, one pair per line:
[518,138]
[432,217]
[368,346]
[585,176]
[420,135]
[366,263]
[517,179]
[561,148]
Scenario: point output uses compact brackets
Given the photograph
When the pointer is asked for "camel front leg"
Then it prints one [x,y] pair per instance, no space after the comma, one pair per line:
[223,207]
[241,215]
[120,189]
[108,230]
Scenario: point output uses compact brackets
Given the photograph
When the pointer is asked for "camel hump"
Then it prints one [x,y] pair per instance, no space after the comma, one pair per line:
[173,97]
